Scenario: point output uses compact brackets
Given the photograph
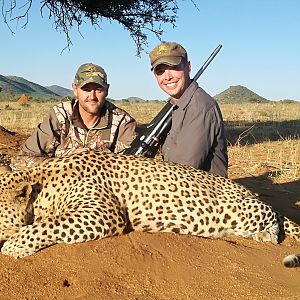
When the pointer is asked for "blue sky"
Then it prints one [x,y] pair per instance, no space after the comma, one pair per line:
[260,38]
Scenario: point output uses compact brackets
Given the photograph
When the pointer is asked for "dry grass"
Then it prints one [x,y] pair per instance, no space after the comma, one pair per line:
[22,118]
[142,112]
[278,160]
[261,112]
[262,137]
[12,113]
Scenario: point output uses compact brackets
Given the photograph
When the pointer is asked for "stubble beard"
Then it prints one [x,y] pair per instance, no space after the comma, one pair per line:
[92,109]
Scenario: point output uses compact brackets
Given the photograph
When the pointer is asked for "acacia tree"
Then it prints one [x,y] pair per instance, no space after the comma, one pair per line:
[139,17]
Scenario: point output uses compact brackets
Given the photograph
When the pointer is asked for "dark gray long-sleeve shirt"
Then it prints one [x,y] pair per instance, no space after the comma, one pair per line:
[197,136]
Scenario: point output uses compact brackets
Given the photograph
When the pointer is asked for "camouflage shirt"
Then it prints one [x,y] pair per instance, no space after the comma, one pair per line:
[63,131]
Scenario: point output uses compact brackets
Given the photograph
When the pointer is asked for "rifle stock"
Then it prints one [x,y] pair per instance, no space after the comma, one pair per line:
[147,142]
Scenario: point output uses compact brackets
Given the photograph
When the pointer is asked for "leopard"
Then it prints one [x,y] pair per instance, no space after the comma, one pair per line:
[95,195]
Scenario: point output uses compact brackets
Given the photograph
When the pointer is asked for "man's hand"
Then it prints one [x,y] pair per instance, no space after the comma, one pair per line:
[80,150]
[4,169]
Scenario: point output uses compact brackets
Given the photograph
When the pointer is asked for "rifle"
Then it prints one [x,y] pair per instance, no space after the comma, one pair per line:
[147,142]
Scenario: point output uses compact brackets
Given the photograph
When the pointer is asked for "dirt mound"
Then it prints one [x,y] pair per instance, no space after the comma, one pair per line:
[23,99]
[10,142]
[158,266]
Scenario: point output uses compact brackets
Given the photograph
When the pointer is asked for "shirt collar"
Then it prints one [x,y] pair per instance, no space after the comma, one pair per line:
[186,97]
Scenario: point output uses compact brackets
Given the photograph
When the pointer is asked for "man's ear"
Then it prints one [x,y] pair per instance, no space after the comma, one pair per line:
[107,88]
[74,89]
[189,66]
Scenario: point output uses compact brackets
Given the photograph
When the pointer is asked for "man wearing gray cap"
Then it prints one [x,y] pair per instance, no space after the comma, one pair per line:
[88,122]
[197,136]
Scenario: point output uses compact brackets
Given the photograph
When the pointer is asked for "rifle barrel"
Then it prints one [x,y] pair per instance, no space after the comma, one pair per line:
[208,61]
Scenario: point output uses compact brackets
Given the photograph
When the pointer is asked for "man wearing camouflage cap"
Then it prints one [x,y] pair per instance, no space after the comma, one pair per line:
[197,136]
[87,122]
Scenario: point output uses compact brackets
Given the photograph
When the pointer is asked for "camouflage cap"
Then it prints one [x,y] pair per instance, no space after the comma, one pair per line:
[89,72]
[168,53]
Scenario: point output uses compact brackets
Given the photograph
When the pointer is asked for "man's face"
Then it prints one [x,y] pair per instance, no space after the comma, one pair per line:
[91,97]
[173,79]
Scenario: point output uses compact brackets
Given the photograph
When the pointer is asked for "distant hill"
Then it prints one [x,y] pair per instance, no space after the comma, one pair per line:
[239,94]
[135,99]
[19,85]
[61,91]
[9,85]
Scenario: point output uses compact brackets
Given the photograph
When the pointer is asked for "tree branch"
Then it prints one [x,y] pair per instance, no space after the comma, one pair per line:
[139,17]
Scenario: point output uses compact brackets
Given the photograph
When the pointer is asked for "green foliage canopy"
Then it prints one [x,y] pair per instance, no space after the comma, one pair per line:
[139,17]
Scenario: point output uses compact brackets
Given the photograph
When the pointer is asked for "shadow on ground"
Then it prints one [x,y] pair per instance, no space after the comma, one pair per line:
[284,197]
[247,133]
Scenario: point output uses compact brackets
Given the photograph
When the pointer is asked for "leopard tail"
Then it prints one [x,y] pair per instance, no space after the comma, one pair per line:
[292,229]
[292,261]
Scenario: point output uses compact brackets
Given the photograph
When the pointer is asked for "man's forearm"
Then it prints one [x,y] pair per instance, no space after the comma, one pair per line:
[20,162]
